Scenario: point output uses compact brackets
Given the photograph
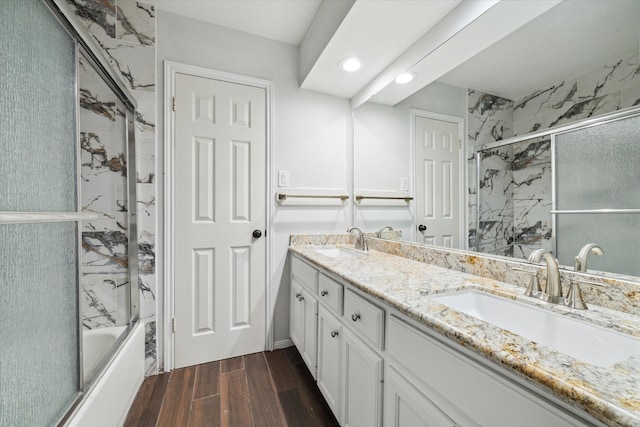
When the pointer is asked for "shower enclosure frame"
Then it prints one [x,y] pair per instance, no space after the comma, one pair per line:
[86,47]
[551,133]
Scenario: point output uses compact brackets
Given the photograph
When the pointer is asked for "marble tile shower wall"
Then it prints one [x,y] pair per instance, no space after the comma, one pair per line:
[490,118]
[515,181]
[125,30]
[608,88]
[531,168]
[104,277]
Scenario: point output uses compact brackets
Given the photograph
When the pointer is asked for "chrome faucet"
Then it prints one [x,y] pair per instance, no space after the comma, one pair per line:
[581,259]
[361,243]
[553,290]
[386,227]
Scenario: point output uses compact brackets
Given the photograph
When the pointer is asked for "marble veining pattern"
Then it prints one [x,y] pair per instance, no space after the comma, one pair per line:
[611,77]
[602,90]
[99,16]
[630,97]
[540,106]
[589,108]
[104,279]
[514,196]
[135,63]
[136,22]
[532,224]
[150,352]
[490,118]
[125,29]
[610,394]
[495,230]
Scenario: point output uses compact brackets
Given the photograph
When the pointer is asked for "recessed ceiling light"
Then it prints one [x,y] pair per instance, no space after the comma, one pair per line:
[351,64]
[405,77]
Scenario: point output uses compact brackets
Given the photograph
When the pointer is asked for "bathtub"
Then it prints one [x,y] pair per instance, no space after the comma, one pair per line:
[95,344]
[108,400]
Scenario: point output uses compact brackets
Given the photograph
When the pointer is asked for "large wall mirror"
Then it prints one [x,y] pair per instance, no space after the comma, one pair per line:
[519,155]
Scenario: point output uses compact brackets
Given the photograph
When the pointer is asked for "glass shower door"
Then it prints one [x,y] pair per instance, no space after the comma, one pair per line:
[597,172]
[39,339]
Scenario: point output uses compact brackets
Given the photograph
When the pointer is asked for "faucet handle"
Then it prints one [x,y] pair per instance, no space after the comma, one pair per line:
[574,297]
[534,289]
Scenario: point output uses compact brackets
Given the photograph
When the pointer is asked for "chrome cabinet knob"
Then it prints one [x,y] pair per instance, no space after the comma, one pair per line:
[334,334]
[355,317]
[324,292]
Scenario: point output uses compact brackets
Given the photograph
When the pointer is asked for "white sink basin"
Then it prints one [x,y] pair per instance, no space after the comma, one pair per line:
[586,342]
[338,253]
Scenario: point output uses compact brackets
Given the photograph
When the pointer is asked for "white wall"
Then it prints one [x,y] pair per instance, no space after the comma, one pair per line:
[382,147]
[311,131]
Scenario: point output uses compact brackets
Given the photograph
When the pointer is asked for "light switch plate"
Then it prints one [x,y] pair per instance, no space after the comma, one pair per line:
[404,184]
[283,179]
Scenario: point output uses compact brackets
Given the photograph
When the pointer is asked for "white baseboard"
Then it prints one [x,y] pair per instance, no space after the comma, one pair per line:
[282,344]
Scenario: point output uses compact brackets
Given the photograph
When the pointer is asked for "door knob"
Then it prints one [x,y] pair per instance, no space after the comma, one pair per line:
[422,227]
[257,234]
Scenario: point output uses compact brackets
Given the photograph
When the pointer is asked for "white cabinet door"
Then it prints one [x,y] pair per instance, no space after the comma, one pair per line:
[296,315]
[405,406]
[362,386]
[310,351]
[304,324]
[329,359]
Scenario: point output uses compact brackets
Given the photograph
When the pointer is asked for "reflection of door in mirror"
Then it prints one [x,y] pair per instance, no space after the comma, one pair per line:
[439,157]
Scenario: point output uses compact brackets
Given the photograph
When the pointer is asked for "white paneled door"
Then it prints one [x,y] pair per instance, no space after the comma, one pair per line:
[438,146]
[219,219]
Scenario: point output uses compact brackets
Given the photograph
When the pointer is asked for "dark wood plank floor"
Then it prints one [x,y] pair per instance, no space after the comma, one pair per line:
[257,390]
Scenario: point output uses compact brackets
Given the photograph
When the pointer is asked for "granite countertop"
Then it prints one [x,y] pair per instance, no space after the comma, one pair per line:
[610,394]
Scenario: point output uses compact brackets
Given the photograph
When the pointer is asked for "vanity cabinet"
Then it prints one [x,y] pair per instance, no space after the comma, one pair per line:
[347,369]
[351,342]
[303,320]
[349,372]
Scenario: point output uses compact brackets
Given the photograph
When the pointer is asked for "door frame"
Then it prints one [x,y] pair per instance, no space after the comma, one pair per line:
[462,173]
[170,71]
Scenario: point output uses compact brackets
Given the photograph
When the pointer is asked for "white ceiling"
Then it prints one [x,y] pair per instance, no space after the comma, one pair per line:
[574,36]
[283,20]
[470,29]
[377,32]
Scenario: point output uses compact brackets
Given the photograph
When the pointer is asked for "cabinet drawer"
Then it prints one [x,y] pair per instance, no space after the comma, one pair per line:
[330,293]
[306,275]
[464,389]
[364,317]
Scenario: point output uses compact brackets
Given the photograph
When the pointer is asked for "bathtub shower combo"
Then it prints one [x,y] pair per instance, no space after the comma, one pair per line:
[72,348]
